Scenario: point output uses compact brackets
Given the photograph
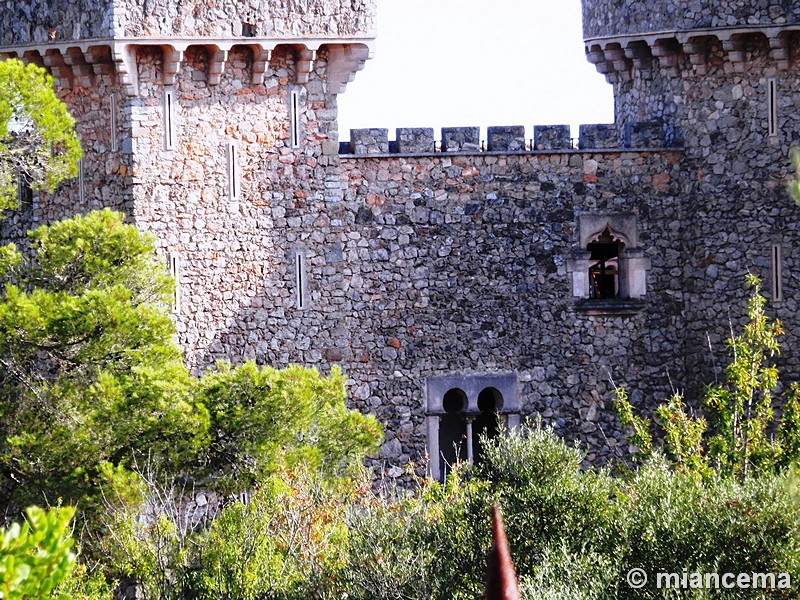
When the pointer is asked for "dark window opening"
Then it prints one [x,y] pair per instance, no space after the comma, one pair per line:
[452,431]
[487,422]
[24,193]
[604,266]
[248,30]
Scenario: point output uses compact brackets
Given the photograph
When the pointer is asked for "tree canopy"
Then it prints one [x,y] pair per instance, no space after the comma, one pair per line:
[38,143]
[89,371]
[92,381]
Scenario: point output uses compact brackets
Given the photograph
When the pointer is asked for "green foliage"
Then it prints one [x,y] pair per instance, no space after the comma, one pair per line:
[37,136]
[398,542]
[546,497]
[263,419]
[683,435]
[676,521]
[36,556]
[85,584]
[793,186]
[740,410]
[573,532]
[640,437]
[735,441]
[89,371]
[564,575]
[280,543]
[788,438]
[149,542]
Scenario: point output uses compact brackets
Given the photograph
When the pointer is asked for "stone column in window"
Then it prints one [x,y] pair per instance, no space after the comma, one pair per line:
[634,269]
[578,267]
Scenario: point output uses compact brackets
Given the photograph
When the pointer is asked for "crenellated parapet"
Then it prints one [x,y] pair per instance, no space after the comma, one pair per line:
[511,139]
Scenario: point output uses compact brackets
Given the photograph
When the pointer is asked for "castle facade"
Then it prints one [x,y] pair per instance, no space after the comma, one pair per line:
[449,278]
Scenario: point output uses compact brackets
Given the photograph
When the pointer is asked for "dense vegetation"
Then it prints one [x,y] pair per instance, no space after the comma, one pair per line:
[247,483]
[38,143]
[310,524]
[574,534]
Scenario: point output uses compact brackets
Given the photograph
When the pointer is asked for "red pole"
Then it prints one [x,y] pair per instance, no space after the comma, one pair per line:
[501,580]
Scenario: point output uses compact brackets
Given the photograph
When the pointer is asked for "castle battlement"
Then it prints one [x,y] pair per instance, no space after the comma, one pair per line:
[506,139]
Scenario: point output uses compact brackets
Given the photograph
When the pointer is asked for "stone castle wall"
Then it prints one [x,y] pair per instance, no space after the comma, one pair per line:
[35,21]
[719,93]
[235,254]
[429,256]
[460,265]
[43,21]
[738,173]
[603,18]
[267,18]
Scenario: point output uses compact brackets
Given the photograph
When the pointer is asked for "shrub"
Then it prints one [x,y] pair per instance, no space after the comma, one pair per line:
[736,440]
[36,556]
[389,553]
[676,521]
[278,544]
[264,419]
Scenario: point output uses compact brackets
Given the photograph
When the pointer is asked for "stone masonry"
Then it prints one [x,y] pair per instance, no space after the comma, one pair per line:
[417,263]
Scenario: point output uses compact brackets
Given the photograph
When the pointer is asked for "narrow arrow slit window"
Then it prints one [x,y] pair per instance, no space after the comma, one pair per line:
[772,107]
[112,102]
[294,118]
[169,120]
[777,272]
[300,280]
[81,182]
[173,265]
[233,171]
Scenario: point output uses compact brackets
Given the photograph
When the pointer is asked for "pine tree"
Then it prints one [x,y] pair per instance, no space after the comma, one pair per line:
[38,143]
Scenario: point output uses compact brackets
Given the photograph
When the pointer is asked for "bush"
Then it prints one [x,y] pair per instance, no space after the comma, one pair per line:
[278,544]
[677,521]
[36,556]
[573,533]
[389,554]
[265,419]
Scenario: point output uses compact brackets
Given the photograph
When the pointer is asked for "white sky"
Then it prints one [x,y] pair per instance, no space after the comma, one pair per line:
[452,63]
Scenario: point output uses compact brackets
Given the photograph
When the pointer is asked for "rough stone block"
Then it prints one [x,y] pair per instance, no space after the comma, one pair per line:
[647,134]
[369,141]
[510,138]
[598,136]
[551,137]
[412,140]
[461,139]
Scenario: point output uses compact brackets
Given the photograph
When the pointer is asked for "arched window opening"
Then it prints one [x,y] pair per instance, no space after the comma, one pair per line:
[604,265]
[487,421]
[452,430]
[461,408]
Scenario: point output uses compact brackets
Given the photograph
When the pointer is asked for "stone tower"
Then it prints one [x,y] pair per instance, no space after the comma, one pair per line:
[722,80]
[210,124]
